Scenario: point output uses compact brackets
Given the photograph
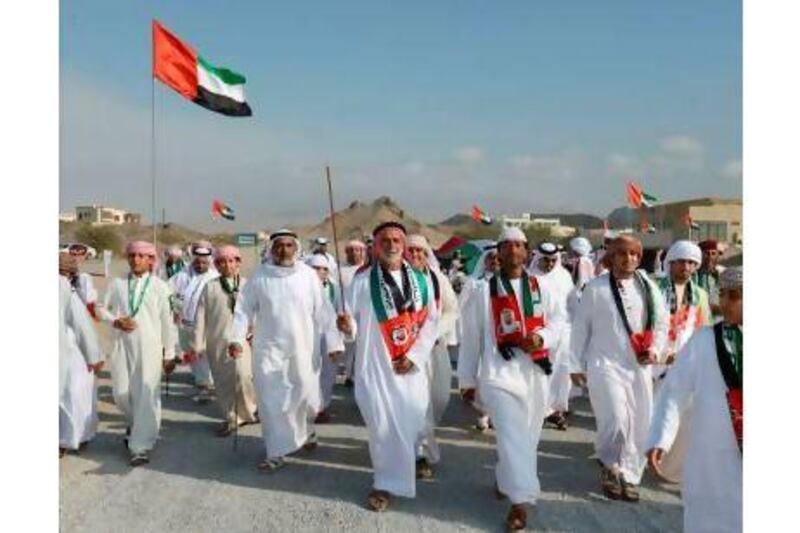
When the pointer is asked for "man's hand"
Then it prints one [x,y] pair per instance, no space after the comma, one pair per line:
[334,355]
[654,458]
[234,350]
[125,323]
[531,343]
[468,395]
[344,324]
[190,356]
[578,379]
[95,368]
[649,357]
[402,365]
[670,358]
[169,366]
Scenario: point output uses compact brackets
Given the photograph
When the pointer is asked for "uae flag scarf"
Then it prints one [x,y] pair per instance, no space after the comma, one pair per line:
[642,341]
[730,364]
[512,325]
[681,313]
[400,314]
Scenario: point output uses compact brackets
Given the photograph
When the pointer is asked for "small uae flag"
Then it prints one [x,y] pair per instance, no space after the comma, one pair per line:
[646,227]
[637,197]
[179,66]
[690,223]
[480,216]
[218,209]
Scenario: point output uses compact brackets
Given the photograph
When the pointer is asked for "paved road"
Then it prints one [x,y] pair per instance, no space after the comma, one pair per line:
[196,482]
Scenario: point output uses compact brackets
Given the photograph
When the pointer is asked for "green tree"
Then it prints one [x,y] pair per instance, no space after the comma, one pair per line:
[100,238]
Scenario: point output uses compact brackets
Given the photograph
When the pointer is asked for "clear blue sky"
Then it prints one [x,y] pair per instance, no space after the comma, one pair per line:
[515,105]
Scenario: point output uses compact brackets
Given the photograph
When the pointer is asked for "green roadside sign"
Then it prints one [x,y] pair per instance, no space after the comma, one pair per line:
[246,239]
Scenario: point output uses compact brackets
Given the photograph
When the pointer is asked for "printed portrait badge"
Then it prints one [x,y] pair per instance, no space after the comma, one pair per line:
[508,324]
[399,335]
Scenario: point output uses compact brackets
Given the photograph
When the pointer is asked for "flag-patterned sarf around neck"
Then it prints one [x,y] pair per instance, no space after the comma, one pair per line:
[179,66]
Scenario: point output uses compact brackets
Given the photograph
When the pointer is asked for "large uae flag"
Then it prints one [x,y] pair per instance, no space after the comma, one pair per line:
[178,65]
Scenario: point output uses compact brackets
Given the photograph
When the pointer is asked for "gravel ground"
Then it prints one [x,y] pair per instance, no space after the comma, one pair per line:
[197,482]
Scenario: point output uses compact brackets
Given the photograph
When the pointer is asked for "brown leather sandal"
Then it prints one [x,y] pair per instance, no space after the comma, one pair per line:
[517,518]
[611,484]
[630,492]
[424,470]
[378,501]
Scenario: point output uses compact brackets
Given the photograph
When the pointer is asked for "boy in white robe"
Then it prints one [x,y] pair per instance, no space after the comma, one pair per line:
[233,378]
[80,359]
[138,308]
[706,382]
[283,302]
[328,366]
[618,333]
[394,325]
[356,257]
[440,372]
[511,324]
[188,285]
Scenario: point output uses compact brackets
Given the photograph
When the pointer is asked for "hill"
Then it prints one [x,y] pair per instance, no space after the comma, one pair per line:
[359,218]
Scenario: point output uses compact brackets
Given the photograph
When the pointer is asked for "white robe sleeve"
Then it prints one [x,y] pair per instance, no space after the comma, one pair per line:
[197,337]
[674,394]
[581,332]
[449,314]
[244,313]
[353,308]
[108,310]
[555,319]
[325,317]
[169,333]
[79,320]
[472,315]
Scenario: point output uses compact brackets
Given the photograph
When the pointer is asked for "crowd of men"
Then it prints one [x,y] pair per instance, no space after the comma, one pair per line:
[659,353]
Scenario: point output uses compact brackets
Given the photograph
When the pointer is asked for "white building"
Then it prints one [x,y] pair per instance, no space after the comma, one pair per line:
[528,221]
[69,216]
[99,215]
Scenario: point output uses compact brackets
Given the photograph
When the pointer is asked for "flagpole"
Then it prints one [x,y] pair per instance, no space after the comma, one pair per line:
[153,155]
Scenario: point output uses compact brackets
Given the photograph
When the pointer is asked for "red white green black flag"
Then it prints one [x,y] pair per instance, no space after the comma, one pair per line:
[179,66]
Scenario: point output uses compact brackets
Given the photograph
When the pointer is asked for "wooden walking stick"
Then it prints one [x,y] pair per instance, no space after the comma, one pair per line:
[335,238]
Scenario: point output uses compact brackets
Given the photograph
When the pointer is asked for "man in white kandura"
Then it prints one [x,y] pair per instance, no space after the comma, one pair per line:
[394,324]
[510,324]
[80,359]
[328,365]
[487,265]
[618,333]
[706,383]
[188,285]
[440,373]
[138,308]
[233,378]
[547,268]
[284,303]
[688,312]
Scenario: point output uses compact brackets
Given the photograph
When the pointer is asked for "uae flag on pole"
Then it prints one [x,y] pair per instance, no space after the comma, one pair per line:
[689,221]
[218,209]
[179,66]
[480,216]
[637,197]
